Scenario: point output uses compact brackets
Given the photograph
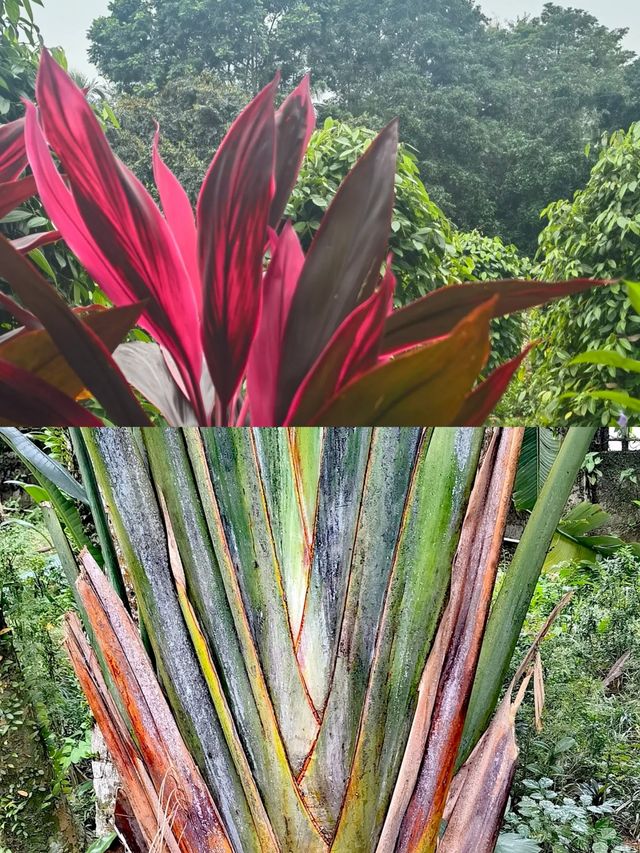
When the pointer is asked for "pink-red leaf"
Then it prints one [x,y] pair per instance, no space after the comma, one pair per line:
[232,216]
[179,214]
[34,241]
[264,361]
[13,156]
[108,219]
[295,121]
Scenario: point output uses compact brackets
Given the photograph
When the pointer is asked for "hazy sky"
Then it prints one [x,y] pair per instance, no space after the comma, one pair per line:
[65,22]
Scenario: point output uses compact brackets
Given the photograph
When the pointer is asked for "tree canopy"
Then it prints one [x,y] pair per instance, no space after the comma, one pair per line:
[499,116]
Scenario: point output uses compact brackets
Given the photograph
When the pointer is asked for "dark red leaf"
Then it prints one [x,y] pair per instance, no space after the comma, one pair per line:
[232,217]
[26,400]
[343,264]
[14,193]
[438,312]
[295,121]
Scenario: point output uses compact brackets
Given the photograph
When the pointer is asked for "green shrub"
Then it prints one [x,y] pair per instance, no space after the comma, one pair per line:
[597,234]
[589,745]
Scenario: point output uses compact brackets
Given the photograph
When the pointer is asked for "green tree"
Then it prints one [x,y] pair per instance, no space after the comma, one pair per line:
[483,258]
[193,113]
[594,235]
[498,116]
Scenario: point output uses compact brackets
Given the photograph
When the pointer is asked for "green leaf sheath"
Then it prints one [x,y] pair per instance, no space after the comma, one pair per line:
[391,461]
[122,473]
[511,605]
[415,595]
[215,593]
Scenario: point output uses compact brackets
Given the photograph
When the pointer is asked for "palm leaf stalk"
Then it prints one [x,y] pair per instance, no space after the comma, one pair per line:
[316,603]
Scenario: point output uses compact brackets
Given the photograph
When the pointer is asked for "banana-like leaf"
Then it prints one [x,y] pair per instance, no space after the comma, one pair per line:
[572,542]
[539,450]
[37,460]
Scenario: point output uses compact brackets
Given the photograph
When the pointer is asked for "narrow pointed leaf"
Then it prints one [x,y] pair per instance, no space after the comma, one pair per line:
[438,312]
[424,386]
[13,155]
[107,217]
[611,359]
[343,263]
[44,464]
[481,402]
[14,193]
[57,485]
[35,241]
[233,214]
[180,216]
[295,121]
[278,287]
[83,349]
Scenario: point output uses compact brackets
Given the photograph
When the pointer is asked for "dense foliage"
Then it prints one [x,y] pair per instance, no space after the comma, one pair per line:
[577,782]
[596,234]
[498,116]
[45,728]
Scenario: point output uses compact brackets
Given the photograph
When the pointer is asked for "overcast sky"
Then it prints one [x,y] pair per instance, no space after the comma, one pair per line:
[65,22]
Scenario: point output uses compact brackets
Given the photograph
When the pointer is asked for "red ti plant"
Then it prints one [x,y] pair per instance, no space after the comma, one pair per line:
[57,352]
[246,328]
